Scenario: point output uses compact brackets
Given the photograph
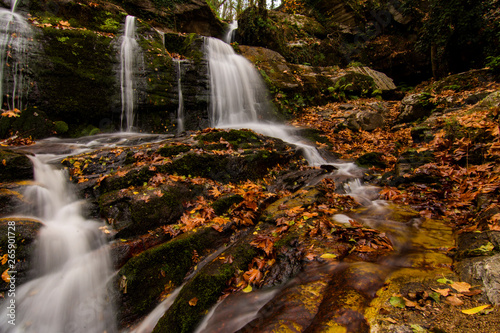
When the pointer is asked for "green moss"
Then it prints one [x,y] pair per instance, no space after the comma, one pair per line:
[76,64]
[148,273]
[234,137]
[371,159]
[173,150]
[206,287]
[222,205]
[14,166]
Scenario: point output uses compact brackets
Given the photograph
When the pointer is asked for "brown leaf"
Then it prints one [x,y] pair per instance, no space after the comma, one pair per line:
[443,292]
[461,287]
[253,275]
[454,300]
[193,301]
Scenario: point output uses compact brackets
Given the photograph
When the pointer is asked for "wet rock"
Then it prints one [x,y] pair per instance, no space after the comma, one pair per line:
[366,120]
[381,80]
[11,198]
[415,107]
[484,271]
[202,291]
[464,81]
[143,279]
[492,100]
[294,180]
[422,134]
[22,233]
[373,159]
[15,166]
[297,303]
[134,212]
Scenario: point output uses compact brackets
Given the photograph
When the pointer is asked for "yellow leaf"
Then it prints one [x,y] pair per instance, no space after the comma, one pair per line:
[5,257]
[247,289]
[6,276]
[476,309]
[328,256]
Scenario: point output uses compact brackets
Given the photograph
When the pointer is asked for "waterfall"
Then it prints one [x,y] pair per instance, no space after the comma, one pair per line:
[72,266]
[128,64]
[239,98]
[231,31]
[15,37]
[180,108]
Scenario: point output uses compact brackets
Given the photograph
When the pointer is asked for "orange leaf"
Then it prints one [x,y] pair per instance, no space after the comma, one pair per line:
[193,301]
[6,276]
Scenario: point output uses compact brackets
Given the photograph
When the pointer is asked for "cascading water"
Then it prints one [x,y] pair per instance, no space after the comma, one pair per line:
[15,38]
[239,98]
[128,65]
[231,32]
[180,108]
[68,291]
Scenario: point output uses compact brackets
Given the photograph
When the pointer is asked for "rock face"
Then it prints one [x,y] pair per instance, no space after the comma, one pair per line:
[75,55]
[15,166]
[317,84]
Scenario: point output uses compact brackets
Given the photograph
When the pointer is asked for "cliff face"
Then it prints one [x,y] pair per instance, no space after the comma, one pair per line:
[73,74]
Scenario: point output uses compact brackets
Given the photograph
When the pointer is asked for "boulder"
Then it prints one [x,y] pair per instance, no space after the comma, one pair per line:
[24,232]
[15,166]
[414,107]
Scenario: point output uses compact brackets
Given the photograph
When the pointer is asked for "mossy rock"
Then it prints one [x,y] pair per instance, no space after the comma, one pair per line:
[372,159]
[32,122]
[24,232]
[132,214]
[354,84]
[73,65]
[227,167]
[234,137]
[15,166]
[149,273]
[223,204]
[173,150]
[203,291]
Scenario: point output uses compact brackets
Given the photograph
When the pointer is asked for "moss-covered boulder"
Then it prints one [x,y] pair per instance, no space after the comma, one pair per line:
[204,289]
[15,166]
[16,248]
[135,211]
[31,122]
[144,278]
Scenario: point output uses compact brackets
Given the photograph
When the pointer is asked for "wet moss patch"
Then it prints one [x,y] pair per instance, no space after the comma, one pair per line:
[148,274]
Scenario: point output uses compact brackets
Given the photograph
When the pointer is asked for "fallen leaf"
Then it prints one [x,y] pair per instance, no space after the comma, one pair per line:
[193,301]
[444,280]
[247,289]
[443,292]
[461,287]
[5,257]
[473,292]
[6,276]
[418,329]
[454,300]
[475,310]
[328,256]
[397,302]
[409,303]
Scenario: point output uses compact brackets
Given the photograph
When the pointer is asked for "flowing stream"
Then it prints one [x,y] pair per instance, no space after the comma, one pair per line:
[72,265]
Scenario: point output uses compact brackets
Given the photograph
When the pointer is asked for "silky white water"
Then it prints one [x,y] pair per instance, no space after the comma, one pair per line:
[231,32]
[239,99]
[180,108]
[15,38]
[68,289]
[128,65]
